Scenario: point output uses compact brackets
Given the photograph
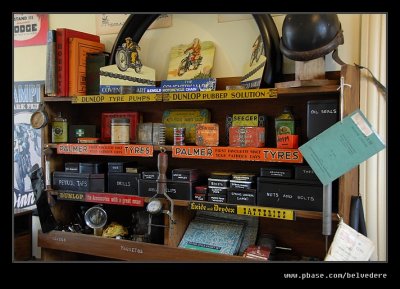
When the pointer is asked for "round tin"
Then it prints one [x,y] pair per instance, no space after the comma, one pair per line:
[179,136]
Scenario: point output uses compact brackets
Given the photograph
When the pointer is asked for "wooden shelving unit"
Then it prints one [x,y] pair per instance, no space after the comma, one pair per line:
[302,235]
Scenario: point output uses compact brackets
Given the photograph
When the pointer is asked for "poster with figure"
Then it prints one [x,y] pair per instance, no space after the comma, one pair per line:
[193,60]
[27,140]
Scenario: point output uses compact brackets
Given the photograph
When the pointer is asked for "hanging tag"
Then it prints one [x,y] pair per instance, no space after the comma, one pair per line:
[349,245]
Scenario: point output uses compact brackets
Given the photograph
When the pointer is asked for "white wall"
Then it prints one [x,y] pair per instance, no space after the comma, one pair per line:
[233,41]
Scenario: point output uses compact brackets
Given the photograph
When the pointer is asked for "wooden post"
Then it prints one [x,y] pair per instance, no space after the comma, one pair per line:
[349,182]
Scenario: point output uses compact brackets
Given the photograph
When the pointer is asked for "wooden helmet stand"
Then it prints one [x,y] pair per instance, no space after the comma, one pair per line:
[308,73]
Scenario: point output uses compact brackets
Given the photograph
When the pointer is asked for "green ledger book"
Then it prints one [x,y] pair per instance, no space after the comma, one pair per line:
[342,147]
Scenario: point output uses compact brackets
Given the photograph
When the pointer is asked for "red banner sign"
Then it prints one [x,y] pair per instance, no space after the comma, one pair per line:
[238,154]
[105,150]
[114,199]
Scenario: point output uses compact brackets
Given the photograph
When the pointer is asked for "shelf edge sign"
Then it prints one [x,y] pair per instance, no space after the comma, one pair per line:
[238,153]
[106,150]
[30,29]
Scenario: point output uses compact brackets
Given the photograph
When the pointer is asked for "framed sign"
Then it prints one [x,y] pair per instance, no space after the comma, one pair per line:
[112,23]
[30,29]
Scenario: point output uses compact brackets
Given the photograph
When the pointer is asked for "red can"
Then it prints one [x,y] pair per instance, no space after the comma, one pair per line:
[179,136]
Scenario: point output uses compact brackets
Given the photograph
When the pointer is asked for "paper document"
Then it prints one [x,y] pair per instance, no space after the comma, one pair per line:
[342,147]
[349,245]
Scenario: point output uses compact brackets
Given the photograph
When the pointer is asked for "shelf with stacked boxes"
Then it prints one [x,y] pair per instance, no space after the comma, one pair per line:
[303,234]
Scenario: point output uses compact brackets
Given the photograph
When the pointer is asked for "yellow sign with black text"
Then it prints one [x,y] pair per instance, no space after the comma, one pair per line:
[114,98]
[240,94]
[266,212]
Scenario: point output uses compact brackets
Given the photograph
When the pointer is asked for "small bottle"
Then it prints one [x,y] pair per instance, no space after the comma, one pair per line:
[284,123]
[59,131]
[120,130]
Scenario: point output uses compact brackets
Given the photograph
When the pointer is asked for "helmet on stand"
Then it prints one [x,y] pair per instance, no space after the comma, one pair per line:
[309,36]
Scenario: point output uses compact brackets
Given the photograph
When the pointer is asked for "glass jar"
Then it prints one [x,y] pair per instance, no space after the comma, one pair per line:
[120,128]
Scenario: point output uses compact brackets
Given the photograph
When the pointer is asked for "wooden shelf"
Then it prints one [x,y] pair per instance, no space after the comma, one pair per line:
[179,203]
[57,98]
[99,198]
[125,249]
[308,90]
[230,95]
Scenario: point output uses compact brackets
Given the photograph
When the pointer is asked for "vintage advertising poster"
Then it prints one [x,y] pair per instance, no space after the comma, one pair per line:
[27,140]
[191,60]
[30,29]
[109,23]
[112,23]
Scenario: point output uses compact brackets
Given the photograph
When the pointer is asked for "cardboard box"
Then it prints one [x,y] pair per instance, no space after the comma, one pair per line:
[78,182]
[289,194]
[176,190]
[242,196]
[123,183]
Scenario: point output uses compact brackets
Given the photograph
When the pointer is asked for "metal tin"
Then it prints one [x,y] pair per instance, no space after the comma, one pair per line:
[179,136]
[241,184]
[246,136]
[158,134]
[201,190]
[243,177]
[120,128]
[216,198]
[207,134]
[276,172]
[185,175]
[187,118]
[59,131]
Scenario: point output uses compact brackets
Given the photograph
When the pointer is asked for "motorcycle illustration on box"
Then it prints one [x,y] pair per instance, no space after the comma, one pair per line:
[188,63]
[257,50]
[127,56]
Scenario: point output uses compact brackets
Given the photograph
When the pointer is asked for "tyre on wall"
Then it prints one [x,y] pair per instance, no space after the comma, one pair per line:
[136,25]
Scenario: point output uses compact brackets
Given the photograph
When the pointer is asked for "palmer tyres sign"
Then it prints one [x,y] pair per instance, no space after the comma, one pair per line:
[238,153]
[30,29]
